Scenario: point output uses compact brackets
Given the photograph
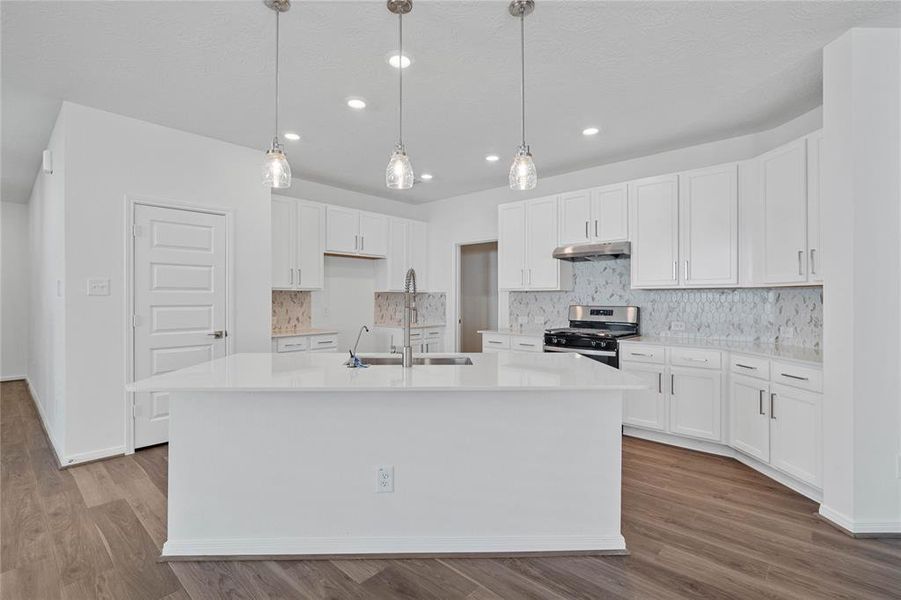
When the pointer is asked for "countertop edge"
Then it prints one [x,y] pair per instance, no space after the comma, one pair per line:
[725,346]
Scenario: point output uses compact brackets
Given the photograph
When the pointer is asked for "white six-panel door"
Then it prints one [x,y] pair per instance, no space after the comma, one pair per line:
[179,303]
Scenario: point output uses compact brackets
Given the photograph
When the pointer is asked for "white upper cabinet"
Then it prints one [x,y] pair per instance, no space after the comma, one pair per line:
[708,218]
[298,235]
[542,269]
[283,234]
[355,232]
[407,247]
[814,255]
[373,234]
[527,236]
[654,221]
[610,213]
[511,246]
[596,215]
[575,217]
[783,198]
[342,230]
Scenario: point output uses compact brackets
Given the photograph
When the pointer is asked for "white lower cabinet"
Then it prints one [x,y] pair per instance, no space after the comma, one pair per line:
[498,341]
[795,438]
[749,419]
[695,399]
[771,409]
[423,340]
[646,408]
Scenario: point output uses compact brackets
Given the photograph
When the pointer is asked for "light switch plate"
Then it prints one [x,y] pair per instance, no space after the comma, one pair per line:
[98,287]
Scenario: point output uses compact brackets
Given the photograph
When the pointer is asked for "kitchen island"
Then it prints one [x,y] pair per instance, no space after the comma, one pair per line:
[297,455]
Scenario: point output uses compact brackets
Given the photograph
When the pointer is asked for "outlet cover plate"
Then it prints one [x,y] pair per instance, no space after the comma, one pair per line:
[384,482]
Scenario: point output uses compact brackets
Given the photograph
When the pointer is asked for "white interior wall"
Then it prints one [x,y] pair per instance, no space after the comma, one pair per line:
[14,290]
[112,158]
[861,212]
[347,302]
[47,315]
[473,217]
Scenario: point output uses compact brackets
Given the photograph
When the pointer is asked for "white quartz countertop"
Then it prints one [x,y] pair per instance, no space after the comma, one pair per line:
[303,332]
[414,326]
[325,372]
[779,351]
[524,332]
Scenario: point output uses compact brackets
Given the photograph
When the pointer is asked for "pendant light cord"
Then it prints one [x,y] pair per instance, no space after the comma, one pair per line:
[522,79]
[400,65]
[277,13]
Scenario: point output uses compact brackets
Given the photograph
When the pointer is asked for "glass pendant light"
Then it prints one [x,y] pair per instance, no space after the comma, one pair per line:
[523,175]
[276,170]
[399,173]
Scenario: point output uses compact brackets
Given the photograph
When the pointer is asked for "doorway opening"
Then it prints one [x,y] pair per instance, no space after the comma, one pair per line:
[477,294]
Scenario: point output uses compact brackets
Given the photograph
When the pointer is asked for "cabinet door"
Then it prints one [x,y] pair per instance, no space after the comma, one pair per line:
[610,213]
[419,253]
[783,189]
[373,234]
[708,219]
[310,245]
[511,246]
[695,403]
[342,230]
[398,259]
[795,426]
[542,269]
[575,218]
[814,256]
[645,408]
[749,419]
[654,216]
[283,235]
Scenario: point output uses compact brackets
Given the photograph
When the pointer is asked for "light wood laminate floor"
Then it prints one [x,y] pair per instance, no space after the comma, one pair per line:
[697,526]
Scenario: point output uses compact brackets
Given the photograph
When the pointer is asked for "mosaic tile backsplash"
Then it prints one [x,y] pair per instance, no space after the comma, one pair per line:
[389,308]
[291,311]
[751,315]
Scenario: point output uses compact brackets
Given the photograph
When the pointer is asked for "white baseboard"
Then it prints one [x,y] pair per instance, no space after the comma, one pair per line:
[54,443]
[13,378]
[722,450]
[317,546]
[83,457]
[862,528]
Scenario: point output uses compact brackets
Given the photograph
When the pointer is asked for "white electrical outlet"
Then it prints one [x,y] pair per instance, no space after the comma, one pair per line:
[384,483]
[98,287]
[677,326]
[786,332]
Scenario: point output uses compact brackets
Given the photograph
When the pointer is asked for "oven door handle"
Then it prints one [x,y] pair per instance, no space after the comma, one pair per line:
[580,351]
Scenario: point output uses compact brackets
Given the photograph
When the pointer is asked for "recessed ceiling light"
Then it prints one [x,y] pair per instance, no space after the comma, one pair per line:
[395,59]
[356,103]
[492,158]
[426,176]
[292,136]
[590,131]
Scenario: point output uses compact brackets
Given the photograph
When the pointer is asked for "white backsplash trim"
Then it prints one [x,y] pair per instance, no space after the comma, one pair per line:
[791,316]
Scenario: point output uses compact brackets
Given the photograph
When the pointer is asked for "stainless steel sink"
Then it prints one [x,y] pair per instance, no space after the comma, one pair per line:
[417,360]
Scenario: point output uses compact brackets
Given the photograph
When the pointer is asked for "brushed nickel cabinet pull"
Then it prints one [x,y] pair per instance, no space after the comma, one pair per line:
[586,230]
[291,271]
[672,383]
[745,366]
[760,403]
[813,268]
[686,270]
[595,228]
[800,262]
[798,377]
[772,404]
[659,383]
[675,267]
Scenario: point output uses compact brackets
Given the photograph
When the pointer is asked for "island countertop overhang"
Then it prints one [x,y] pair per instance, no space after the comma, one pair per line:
[313,372]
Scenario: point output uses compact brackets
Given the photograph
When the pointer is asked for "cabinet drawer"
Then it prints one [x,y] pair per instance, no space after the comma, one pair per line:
[752,366]
[527,344]
[433,334]
[495,341]
[292,344]
[696,357]
[642,353]
[808,378]
[323,343]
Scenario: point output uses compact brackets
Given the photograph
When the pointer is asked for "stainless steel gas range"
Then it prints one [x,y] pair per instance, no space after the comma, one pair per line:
[594,331]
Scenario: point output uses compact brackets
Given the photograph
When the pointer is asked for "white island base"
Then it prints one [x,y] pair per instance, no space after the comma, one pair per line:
[526,459]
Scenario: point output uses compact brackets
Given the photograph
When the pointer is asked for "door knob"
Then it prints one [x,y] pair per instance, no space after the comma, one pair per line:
[217,335]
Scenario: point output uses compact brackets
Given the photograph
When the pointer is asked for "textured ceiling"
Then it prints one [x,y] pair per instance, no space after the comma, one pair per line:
[652,75]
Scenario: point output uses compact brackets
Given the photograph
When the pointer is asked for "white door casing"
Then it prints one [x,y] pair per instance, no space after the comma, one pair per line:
[180,301]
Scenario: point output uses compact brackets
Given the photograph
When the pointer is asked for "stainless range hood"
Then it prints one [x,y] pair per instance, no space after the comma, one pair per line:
[593,252]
